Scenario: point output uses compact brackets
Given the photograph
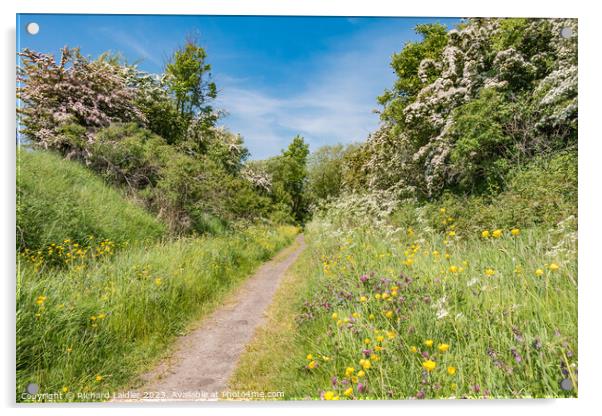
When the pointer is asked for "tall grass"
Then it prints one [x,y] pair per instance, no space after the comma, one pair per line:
[59,199]
[437,309]
[93,325]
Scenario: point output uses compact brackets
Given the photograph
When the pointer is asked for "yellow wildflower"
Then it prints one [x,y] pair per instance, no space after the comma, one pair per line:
[515,231]
[539,272]
[312,364]
[489,272]
[309,357]
[451,370]
[98,378]
[389,314]
[349,371]
[429,365]
[553,267]
[361,373]
[363,299]
[443,347]
[367,341]
[335,316]
[497,233]
[428,343]
[348,392]
[329,395]
[413,348]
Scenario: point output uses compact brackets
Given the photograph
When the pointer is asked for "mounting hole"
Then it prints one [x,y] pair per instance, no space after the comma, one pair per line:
[33,28]
[566,32]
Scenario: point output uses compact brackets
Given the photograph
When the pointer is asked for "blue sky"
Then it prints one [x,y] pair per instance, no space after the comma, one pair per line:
[276,76]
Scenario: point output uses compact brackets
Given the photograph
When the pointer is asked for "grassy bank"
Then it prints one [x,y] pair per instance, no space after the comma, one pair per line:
[433,304]
[59,199]
[93,325]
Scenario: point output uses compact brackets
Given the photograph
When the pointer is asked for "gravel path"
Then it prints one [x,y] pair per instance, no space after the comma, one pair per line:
[204,359]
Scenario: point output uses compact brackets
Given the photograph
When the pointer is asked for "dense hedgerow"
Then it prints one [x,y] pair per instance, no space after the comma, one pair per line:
[156,136]
[468,105]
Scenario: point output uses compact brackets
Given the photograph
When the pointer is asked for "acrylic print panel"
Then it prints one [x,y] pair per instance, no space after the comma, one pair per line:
[295,208]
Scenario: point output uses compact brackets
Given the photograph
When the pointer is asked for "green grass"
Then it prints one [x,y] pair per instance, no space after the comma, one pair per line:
[112,316]
[59,199]
[511,332]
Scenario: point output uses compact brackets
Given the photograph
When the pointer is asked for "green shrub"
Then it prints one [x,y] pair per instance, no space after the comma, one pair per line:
[129,155]
[59,199]
[543,192]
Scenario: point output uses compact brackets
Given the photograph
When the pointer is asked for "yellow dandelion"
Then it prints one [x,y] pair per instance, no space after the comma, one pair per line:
[428,343]
[158,281]
[361,373]
[539,272]
[489,272]
[367,341]
[365,364]
[371,317]
[451,234]
[413,349]
[348,392]
[335,316]
[380,338]
[65,389]
[389,314]
[311,365]
[443,347]
[309,357]
[553,267]
[515,231]
[98,378]
[451,370]
[429,365]
[497,233]
[453,269]
[349,371]
[363,299]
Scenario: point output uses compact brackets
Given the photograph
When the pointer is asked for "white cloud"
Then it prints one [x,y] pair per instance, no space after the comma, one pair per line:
[131,43]
[335,105]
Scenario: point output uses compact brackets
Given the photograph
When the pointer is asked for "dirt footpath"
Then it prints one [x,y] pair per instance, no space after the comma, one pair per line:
[203,360]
